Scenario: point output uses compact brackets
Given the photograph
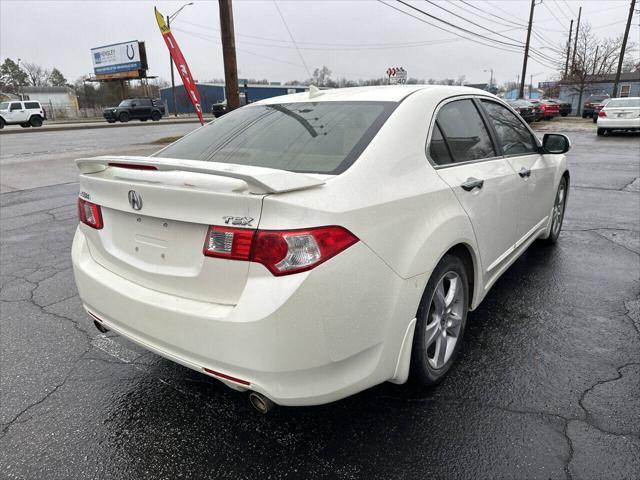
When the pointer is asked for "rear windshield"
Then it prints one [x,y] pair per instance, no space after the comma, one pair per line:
[624,102]
[323,137]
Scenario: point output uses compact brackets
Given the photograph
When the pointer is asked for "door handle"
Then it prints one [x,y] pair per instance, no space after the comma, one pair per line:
[472,183]
[524,172]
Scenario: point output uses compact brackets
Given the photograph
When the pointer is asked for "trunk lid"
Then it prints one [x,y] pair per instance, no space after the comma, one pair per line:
[156,238]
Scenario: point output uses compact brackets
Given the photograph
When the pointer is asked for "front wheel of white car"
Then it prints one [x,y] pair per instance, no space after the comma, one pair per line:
[441,321]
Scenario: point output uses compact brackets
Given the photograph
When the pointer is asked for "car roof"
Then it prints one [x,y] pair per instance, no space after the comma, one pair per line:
[379,93]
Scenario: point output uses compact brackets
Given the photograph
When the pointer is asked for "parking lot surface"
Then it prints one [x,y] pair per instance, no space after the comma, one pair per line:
[547,385]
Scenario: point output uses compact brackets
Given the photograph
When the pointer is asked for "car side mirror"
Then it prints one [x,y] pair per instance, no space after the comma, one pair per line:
[555,143]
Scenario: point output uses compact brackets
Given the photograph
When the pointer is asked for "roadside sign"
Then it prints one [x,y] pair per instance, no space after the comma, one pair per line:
[397,75]
[120,60]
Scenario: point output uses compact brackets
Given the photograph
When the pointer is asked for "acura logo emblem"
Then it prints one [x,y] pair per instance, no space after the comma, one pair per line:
[135,200]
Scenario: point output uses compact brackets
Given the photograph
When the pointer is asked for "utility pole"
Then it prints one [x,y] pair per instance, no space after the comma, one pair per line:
[566,65]
[229,54]
[623,48]
[595,60]
[575,45]
[526,51]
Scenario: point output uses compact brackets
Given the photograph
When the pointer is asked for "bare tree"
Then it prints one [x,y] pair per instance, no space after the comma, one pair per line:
[37,75]
[594,56]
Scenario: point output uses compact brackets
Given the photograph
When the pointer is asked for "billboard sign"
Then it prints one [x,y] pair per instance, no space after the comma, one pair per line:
[119,57]
[544,85]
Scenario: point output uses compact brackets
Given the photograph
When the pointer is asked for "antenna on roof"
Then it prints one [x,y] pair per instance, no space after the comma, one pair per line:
[314,91]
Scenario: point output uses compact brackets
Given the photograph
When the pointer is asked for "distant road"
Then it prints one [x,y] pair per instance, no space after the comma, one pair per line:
[42,158]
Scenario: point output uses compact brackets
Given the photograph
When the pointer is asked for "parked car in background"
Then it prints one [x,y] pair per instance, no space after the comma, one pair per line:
[590,104]
[218,109]
[527,110]
[548,109]
[597,109]
[242,249]
[565,107]
[142,109]
[619,114]
[28,113]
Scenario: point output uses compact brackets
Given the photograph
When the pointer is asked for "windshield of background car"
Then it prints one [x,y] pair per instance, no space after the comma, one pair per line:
[4,106]
[597,98]
[308,137]
[624,103]
[125,103]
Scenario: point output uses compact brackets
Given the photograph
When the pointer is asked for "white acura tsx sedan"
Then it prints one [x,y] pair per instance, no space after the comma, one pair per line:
[306,247]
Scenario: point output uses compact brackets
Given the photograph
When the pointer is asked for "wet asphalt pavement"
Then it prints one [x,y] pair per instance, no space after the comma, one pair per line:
[547,386]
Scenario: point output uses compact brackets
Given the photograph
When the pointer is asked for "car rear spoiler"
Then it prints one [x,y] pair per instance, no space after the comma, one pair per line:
[259,179]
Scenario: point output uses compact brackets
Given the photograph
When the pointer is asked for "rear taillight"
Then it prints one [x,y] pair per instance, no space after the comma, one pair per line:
[602,114]
[282,252]
[90,214]
[233,243]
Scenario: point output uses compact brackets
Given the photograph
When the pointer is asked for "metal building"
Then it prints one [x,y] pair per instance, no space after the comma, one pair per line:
[211,93]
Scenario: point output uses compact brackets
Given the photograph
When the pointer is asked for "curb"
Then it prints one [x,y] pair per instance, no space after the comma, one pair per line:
[62,127]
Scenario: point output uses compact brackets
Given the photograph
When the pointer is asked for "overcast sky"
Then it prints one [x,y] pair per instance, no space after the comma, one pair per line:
[355,39]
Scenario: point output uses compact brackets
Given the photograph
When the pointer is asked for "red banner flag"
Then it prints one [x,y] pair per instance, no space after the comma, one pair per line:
[181,63]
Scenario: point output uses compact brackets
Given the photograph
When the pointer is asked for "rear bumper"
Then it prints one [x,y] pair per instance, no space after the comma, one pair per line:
[619,123]
[303,339]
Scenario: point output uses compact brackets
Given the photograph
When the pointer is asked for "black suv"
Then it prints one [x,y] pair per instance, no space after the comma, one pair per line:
[142,109]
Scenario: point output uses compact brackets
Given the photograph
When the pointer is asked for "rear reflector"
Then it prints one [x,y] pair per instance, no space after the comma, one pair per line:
[90,214]
[282,252]
[226,377]
[132,166]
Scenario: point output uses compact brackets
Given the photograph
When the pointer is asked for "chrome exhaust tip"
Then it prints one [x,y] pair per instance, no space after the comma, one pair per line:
[100,327]
[261,403]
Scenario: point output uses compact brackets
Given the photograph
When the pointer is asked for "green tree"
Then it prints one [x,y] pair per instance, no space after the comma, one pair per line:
[11,76]
[56,78]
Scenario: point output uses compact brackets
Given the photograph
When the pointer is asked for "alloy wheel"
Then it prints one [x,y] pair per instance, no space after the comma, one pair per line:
[445,319]
[558,209]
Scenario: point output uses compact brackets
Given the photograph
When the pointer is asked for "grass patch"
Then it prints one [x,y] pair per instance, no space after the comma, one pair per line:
[166,140]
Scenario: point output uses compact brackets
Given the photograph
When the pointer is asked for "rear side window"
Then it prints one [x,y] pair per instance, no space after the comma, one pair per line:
[513,136]
[464,131]
[31,105]
[144,102]
[438,150]
[306,137]
[16,106]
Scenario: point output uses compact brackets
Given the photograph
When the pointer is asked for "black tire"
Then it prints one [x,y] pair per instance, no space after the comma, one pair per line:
[601,132]
[584,115]
[555,231]
[124,117]
[144,119]
[564,114]
[156,116]
[25,125]
[111,121]
[1,123]
[595,119]
[36,121]
[422,370]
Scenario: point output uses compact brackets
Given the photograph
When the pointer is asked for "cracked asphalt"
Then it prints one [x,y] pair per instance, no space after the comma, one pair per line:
[547,386]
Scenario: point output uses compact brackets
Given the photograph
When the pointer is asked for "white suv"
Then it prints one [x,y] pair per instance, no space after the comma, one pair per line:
[309,246]
[28,113]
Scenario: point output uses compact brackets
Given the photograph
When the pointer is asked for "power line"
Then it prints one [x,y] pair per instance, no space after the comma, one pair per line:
[569,8]
[291,36]
[456,26]
[511,48]
[337,46]
[448,31]
[508,13]
[468,21]
[457,4]
[552,14]
[561,10]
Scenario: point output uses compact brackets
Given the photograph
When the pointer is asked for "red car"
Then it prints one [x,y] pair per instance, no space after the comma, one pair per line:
[549,108]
